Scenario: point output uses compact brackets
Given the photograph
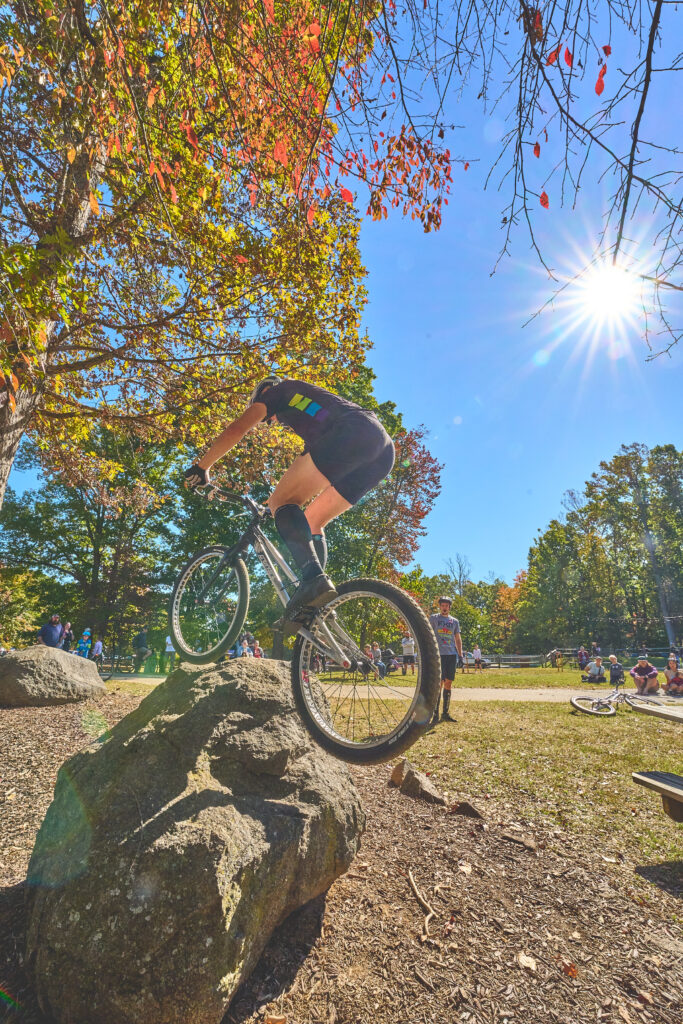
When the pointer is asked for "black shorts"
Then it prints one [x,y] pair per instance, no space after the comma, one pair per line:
[408,659]
[355,456]
[449,664]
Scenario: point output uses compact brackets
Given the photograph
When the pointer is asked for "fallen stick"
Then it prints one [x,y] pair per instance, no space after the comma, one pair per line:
[429,911]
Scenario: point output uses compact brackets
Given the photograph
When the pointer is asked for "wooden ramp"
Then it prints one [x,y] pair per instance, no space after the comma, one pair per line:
[669,787]
[665,711]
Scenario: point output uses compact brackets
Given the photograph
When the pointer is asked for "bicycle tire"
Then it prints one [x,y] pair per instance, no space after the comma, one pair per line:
[632,700]
[180,644]
[607,710]
[417,719]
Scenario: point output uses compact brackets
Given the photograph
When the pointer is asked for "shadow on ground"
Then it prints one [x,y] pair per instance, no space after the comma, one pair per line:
[667,876]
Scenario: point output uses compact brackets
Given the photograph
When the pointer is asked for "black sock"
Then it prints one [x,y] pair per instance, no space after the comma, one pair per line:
[293,527]
[320,545]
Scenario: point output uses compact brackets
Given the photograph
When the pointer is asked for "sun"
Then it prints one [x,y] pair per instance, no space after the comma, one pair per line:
[608,295]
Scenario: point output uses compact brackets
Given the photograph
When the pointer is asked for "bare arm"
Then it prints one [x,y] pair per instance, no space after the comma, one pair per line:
[232,434]
[458,643]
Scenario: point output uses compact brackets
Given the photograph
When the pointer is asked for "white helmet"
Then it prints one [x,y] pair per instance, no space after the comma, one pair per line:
[267,382]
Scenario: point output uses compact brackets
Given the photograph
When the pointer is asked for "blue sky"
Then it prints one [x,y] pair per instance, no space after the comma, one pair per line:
[517,414]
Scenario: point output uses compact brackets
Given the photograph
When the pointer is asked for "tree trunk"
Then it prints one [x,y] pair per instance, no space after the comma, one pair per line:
[13,426]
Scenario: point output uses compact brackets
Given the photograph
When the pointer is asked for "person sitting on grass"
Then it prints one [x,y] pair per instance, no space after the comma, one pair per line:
[616,671]
[674,677]
[595,672]
[645,676]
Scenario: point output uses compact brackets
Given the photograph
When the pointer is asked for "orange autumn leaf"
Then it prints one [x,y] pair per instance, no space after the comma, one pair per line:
[537,149]
[570,970]
[545,202]
[568,57]
[552,57]
[94,205]
[467,164]
[346,195]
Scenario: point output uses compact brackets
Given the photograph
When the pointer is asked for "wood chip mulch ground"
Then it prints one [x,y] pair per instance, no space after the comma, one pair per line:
[442,917]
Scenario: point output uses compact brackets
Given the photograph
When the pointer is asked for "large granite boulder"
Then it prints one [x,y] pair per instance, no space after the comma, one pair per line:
[45,675]
[175,846]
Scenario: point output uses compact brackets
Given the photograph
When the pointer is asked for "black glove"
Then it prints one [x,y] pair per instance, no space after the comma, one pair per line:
[195,476]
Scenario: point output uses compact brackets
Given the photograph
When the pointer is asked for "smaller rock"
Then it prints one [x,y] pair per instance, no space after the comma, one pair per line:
[466,808]
[40,676]
[399,772]
[418,785]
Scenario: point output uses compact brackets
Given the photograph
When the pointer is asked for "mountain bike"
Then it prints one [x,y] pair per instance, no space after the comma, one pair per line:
[351,712]
[606,706]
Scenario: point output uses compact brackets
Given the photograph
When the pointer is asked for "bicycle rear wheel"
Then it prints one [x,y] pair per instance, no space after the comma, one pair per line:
[593,706]
[350,710]
[209,605]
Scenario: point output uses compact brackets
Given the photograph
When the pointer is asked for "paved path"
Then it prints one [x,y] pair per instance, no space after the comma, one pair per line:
[535,695]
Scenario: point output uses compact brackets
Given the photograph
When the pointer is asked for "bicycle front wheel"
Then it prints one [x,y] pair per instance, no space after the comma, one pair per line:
[362,712]
[209,605]
[591,706]
[634,699]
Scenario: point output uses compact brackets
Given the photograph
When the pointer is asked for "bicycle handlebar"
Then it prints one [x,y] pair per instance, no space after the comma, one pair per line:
[209,491]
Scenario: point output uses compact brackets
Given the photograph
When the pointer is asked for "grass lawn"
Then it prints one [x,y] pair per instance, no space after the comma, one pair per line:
[562,769]
[133,685]
[513,678]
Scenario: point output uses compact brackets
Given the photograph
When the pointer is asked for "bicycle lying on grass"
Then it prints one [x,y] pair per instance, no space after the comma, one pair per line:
[606,706]
[352,713]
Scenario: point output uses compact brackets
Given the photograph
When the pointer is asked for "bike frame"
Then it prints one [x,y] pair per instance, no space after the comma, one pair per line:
[274,565]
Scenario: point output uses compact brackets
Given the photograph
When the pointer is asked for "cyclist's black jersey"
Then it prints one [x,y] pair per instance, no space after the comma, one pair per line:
[310,411]
[347,444]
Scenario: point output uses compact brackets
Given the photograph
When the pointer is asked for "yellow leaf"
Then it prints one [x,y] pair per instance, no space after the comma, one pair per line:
[71,154]
[94,205]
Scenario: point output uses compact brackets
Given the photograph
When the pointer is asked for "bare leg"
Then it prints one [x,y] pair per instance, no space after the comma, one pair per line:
[299,484]
[325,507]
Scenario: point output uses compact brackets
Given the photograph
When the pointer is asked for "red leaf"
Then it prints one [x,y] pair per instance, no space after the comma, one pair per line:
[552,57]
[174,194]
[537,149]
[567,57]
[607,50]
[346,195]
[120,51]
[310,216]
[603,71]
[241,259]
[545,132]
[545,202]
[467,164]
[280,152]
[314,29]
[570,970]
[600,86]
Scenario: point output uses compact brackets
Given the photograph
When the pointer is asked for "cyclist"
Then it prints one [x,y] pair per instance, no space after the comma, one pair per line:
[447,630]
[346,453]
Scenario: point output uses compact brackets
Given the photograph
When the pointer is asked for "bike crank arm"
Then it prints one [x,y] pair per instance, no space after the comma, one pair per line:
[334,652]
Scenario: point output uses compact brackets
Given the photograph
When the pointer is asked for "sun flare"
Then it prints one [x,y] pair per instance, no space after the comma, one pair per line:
[608,294]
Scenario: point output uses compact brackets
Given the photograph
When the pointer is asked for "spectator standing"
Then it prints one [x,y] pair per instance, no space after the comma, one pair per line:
[258,650]
[595,672]
[96,654]
[476,654]
[50,634]
[141,651]
[616,671]
[83,646]
[449,641]
[169,652]
[67,637]
[408,647]
[645,676]
[582,657]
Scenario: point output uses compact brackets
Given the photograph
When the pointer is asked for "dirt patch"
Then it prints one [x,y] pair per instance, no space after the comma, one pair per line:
[549,931]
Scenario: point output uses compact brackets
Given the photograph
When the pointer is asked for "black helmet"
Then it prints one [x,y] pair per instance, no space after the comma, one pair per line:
[446,599]
[267,382]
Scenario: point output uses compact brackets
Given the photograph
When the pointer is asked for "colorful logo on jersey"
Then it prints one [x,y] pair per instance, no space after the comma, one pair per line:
[309,407]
